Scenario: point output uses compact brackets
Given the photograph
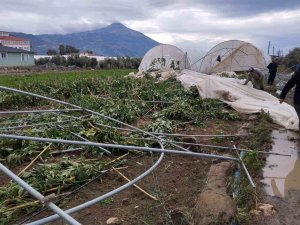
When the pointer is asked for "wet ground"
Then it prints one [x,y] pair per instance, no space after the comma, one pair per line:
[282,180]
[282,173]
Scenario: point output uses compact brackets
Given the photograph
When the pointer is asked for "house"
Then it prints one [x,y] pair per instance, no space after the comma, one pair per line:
[15,57]
[87,53]
[11,41]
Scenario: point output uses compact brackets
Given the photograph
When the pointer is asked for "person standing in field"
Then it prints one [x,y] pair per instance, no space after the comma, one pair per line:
[295,80]
[297,69]
[257,78]
[272,70]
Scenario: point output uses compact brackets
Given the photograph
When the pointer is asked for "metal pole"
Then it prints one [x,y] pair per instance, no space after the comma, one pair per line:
[245,168]
[35,125]
[103,197]
[127,147]
[82,138]
[176,135]
[86,110]
[39,111]
[221,147]
[66,151]
[38,195]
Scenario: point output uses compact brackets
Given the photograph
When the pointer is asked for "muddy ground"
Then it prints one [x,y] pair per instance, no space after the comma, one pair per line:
[287,208]
[287,205]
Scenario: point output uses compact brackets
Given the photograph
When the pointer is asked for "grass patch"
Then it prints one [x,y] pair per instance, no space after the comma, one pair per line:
[260,140]
[19,80]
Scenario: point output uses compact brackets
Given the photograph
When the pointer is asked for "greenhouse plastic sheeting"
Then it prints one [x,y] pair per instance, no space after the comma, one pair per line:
[164,57]
[242,98]
[231,55]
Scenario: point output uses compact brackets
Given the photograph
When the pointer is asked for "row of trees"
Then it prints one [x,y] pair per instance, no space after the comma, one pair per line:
[291,59]
[86,62]
[63,50]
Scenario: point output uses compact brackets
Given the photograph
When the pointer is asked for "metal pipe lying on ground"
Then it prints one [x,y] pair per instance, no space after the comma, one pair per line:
[126,147]
[65,151]
[103,197]
[86,110]
[39,124]
[218,147]
[82,138]
[38,195]
[245,168]
[176,135]
[38,111]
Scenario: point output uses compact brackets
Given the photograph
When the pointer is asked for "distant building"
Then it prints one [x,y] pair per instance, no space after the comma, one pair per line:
[11,41]
[87,53]
[15,57]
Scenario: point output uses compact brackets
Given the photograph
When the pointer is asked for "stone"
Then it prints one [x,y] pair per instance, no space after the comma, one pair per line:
[214,205]
[113,221]
[125,202]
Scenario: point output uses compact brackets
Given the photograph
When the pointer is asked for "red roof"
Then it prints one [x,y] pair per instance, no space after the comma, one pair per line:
[12,38]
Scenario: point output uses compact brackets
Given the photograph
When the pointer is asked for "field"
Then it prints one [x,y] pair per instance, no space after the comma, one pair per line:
[77,173]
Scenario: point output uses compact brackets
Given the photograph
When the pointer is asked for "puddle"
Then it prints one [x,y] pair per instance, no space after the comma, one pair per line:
[282,173]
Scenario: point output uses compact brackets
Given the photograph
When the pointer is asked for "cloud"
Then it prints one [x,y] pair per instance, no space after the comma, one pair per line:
[190,22]
[210,28]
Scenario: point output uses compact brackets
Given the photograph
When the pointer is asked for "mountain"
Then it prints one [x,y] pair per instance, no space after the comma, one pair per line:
[113,40]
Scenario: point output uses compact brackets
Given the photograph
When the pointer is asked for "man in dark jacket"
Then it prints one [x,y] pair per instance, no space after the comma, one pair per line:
[272,71]
[295,80]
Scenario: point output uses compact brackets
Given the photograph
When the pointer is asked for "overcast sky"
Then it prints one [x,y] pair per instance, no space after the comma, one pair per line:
[194,24]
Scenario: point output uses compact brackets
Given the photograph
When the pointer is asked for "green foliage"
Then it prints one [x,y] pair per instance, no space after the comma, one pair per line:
[160,125]
[106,92]
[58,175]
[51,52]
[259,140]
[107,201]
[292,58]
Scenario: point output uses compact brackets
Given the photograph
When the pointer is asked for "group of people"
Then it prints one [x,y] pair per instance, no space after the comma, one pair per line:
[257,78]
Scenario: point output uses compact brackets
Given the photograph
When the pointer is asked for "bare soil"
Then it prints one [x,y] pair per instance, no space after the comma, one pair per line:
[176,183]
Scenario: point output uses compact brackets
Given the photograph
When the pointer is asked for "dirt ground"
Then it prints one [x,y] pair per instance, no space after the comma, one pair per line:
[288,208]
[176,183]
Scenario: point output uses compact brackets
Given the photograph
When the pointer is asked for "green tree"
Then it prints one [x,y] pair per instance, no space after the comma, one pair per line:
[62,50]
[71,49]
[291,59]
[51,52]
[94,62]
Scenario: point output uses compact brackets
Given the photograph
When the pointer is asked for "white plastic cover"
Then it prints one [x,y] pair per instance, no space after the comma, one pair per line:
[243,98]
[164,57]
[231,55]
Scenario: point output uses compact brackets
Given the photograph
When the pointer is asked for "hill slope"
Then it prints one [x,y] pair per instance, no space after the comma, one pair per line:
[113,40]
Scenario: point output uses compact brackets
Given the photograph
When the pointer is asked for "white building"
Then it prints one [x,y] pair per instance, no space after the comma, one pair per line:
[14,42]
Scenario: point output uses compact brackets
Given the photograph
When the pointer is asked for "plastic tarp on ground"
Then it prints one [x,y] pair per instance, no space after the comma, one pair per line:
[164,57]
[242,98]
[233,55]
